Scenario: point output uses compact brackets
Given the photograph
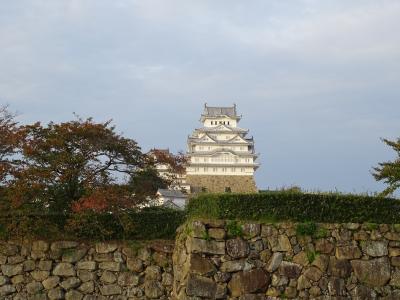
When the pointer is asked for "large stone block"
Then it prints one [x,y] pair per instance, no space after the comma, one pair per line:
[40,246]
[200,265]
[87,265]
[110,289]
[63,245]
[110,266]
[374,272]
[375,248]
[339,267]
[7,289]
[74,255]
[289,269]
[200,286]
[64,269]
[106,247]
[12,270]
[51,282]
[203,246]
[153,289]
[275,262]
[8,249]
[247,282]
[348,252]
[237,248]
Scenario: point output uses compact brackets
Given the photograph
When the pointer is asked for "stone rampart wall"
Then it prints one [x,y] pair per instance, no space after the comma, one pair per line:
[74,271]
[276,261]
[218,183]
[213,260]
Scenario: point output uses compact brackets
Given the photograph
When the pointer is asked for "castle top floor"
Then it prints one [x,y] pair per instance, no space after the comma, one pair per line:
[216,116]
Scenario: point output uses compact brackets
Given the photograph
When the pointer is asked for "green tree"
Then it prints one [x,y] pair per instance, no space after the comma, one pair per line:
[65,162]
[146,182]
[9,141]
[389,172]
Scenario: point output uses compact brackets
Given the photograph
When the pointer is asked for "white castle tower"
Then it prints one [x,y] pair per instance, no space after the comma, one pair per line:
[220,156]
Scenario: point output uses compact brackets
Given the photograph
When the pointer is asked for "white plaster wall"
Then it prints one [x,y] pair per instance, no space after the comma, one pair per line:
[232,122]
[220,170]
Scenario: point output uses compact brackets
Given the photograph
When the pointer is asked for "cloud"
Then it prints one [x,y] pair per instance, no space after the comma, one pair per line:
[316,81]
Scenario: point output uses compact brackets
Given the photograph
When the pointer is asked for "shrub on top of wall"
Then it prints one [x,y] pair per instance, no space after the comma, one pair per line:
[147,224]
[296,206]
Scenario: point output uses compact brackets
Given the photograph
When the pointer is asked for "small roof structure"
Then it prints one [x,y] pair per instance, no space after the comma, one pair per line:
[172,198]
[219,111]
[171,193]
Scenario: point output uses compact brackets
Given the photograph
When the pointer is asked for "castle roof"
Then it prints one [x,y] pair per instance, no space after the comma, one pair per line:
[223,150]
[219,111]
[156,150]
[222,128]
[171,193]
[233,140]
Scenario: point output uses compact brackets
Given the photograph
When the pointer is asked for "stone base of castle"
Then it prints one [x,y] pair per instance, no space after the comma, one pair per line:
[220,184]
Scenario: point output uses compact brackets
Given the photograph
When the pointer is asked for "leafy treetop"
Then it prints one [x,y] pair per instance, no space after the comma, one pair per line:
[65,162]
[389,172]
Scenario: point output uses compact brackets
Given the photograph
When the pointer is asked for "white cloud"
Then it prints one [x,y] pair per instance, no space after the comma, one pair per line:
[301,72]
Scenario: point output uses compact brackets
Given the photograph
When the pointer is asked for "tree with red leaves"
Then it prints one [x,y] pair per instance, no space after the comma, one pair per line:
[66,163]
[174,165]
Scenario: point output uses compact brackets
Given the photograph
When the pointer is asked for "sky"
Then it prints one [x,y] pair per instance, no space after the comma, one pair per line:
[317,82]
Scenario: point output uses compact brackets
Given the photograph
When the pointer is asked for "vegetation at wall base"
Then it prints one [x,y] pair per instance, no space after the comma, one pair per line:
[297,207]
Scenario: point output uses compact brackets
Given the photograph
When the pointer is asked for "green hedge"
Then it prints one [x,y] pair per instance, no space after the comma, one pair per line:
[161,223]
[147,224]
[298,207]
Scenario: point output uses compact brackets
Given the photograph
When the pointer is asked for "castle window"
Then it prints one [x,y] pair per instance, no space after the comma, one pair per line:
[228,122]
[228,189]
[212,123]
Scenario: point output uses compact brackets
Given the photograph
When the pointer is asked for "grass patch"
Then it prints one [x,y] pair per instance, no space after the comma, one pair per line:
[311,255]
[371,226]
[234,229]
[308,228]
[321,233]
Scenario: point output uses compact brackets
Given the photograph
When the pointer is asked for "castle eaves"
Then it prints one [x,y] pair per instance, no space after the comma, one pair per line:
[219,111]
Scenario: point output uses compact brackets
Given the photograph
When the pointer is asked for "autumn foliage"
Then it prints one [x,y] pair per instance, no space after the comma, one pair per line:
[74,167]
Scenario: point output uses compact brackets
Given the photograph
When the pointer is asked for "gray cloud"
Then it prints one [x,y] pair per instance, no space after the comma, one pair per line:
[317,81]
